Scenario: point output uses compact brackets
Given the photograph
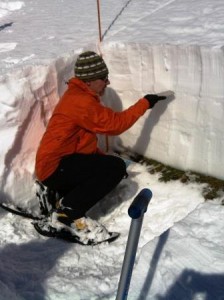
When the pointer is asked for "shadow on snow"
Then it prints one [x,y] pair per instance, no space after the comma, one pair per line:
[24,268]
[189,285]
[195,285]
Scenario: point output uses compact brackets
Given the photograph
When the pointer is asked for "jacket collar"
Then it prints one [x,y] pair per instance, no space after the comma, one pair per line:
[82,85]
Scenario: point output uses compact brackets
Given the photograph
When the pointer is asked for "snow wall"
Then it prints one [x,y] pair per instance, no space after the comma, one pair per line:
[185,132]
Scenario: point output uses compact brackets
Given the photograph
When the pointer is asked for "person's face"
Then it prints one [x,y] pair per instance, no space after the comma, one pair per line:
[99,85]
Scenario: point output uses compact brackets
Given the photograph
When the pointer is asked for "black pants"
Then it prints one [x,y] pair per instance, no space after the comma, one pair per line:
[85,179]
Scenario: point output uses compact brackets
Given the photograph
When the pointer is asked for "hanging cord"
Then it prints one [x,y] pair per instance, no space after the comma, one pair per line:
[118,15]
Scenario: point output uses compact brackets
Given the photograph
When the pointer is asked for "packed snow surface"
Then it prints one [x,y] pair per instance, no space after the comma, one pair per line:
[171,47]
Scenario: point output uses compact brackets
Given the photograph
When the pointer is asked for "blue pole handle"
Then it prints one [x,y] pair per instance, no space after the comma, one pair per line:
[140,204]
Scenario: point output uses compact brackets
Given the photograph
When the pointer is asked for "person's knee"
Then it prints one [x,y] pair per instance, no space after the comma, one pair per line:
[119,166]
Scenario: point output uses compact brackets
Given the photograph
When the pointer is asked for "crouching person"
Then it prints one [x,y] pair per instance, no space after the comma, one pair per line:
[68,159]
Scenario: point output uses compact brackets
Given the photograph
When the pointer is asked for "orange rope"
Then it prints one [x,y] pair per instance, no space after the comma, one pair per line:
[100,40]
[99,20]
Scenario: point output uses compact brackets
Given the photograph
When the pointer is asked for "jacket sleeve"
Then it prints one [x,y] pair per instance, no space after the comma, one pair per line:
[100,119]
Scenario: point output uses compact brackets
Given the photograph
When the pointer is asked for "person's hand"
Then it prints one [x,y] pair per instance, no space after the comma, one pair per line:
[153,99]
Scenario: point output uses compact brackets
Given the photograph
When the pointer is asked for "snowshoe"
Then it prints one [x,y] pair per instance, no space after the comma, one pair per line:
[47,199]
[92,234]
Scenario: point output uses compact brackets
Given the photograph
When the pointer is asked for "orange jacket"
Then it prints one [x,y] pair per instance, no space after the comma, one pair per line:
[77,119]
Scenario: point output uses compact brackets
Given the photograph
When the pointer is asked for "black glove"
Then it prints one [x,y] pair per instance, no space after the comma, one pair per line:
[153,99]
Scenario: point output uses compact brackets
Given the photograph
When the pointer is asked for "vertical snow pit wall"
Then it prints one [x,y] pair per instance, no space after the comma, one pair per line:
[28,97]
[186,132]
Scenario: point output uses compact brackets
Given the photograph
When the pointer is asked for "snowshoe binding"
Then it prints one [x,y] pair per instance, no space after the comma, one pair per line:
[47,198]
[84,231]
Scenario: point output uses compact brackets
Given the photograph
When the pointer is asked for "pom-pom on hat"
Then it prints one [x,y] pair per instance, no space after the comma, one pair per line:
[90,66]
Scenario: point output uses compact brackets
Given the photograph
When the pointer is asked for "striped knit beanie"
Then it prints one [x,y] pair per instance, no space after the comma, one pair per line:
[90,66]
